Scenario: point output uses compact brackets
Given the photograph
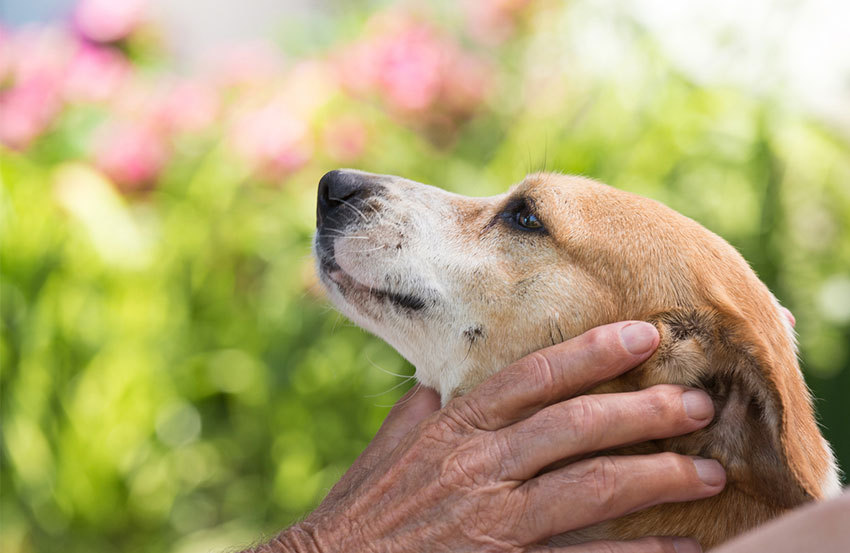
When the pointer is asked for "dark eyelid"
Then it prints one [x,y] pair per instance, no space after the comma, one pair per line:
[516,204]
[508,212]
[509,207]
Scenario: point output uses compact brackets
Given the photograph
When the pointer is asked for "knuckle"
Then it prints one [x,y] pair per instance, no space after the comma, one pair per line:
[453,474]
[597,339]
[542,372]
[662,401]
[503,448]
[464,414]
[443,429]
[675,465]
[588,420]
[603,477]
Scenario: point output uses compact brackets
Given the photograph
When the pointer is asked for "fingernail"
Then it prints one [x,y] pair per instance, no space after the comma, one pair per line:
[710,472]
[686,545]
[638,337]
[698,405]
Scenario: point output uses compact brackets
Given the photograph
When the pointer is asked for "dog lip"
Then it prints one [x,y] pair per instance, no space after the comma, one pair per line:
[346,282]
[343,279]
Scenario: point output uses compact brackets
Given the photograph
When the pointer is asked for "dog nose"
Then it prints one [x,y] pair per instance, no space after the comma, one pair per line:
[339,192]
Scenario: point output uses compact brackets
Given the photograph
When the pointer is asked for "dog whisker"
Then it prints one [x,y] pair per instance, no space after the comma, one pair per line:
[400,384]
[354,207]
[373,208]
[383,370]
[401,402]
[338,318]
[342,233]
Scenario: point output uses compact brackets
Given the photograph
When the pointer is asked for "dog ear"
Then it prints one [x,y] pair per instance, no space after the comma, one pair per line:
[764,431]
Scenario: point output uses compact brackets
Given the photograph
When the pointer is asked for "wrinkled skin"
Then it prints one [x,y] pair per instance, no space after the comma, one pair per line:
[471,476]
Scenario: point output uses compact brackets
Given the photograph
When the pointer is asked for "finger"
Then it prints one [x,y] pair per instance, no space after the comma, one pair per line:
[555,373]
[644,545]
[604,488]
[413,407]
[409,410]
[591,423]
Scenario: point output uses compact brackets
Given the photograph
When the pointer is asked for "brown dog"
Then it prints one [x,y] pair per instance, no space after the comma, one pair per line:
[464,286]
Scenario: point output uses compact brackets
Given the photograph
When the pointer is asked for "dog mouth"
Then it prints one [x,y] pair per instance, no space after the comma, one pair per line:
[349,285]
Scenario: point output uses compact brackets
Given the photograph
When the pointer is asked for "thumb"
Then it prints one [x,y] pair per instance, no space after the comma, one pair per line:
[413,407]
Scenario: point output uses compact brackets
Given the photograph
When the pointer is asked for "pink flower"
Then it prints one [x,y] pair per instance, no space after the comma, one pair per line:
[185,106]
[410,68]
[272,138]
[108,20]
[33,63]
[418,71]
[345,139]
[26,111]
[403,62]
[95,74]
[132,155]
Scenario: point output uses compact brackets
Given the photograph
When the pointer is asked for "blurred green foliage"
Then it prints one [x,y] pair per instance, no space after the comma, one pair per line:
[172,379]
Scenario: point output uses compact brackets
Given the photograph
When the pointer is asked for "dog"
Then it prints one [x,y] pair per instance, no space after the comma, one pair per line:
[462,287]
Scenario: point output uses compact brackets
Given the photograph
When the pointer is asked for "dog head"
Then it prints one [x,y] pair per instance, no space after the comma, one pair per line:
[464,286]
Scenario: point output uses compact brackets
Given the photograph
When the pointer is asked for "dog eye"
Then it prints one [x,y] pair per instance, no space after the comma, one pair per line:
[519,214]
[527,220]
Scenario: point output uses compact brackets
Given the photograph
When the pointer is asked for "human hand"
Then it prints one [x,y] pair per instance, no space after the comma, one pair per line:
[467,477]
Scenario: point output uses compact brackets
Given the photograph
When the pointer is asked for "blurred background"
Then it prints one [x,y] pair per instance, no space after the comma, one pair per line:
[172,378]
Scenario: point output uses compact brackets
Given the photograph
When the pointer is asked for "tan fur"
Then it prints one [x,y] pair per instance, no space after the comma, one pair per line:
[496,293]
